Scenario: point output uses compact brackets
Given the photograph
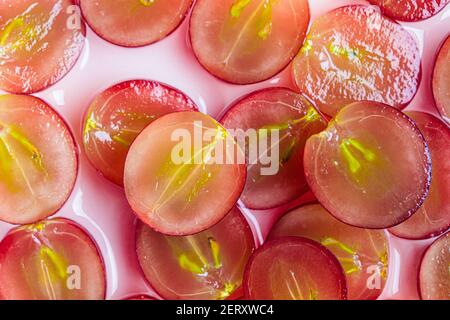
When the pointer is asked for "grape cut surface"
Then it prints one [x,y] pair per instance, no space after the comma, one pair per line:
[354,53]
[371,167]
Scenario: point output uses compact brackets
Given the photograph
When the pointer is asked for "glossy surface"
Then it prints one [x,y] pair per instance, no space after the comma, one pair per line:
[51,260]
[441,80]
[294,268]
[354,53]
[118,114]
[371,168]
[182,174]
[38,160]
[433,217]
[362,253]
[410,10]
[134,23]
[207,265]
[247,41]
[40,41]
[434,271]
[281,121]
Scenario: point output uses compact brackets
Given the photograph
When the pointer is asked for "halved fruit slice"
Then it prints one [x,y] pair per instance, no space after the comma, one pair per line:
[38,160]
[247,41]
[434,281]
[51,260]
[40,41]
[362,253]
[183,173]
[353,54]
[371,168]
[294,268]
[134,23]
[272,125]
[119,114]
[441,80]
[410,10]
[208,265]
[433,217]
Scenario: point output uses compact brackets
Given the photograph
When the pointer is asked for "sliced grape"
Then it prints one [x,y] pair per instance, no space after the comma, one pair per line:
[353,54]
[245,41]
[134,23]
[208,265]
[441,80]
[433,217]
[38,160]
[362,253]
[119,114]
[51,260]
[182,173]
[371,168]
[294,268]
[40,41]
[434,280]
[410,10]
[273,125]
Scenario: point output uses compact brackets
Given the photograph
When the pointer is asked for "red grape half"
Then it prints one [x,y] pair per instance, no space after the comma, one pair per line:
[441,80]
[362,253]
[51,260]
[410,10]
[294,119]
[371,167]
[38,160]
[294,268]
[353,54]
[207,265]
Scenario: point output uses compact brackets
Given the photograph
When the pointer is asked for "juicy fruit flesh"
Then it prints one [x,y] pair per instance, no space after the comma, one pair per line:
[37,47]
[294,120]
[208,265]
[364,170]
[363,253]
[38,162]
[158,184]
[410,10]
[247,41]
[435,269]
[117,116]
[36,262]
[433,217]
[294,268]
[354,54]
[134,23]
[441,81]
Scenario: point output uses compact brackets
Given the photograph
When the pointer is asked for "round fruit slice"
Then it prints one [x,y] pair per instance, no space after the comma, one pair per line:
[134,23]
[410,10]
[362,253]
[38,160]
[119,114]
[247,41]
[294,268]
[40,41]
[434,281]
[51,260]
[353,54]
[371,168]
[273,126]
[208,265]
[183,173]
[441,80]
[433,217]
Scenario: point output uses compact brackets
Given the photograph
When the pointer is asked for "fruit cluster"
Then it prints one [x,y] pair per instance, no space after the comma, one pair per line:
[338,133]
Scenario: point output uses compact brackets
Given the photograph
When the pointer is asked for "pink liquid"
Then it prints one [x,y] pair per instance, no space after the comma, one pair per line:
[101,208]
